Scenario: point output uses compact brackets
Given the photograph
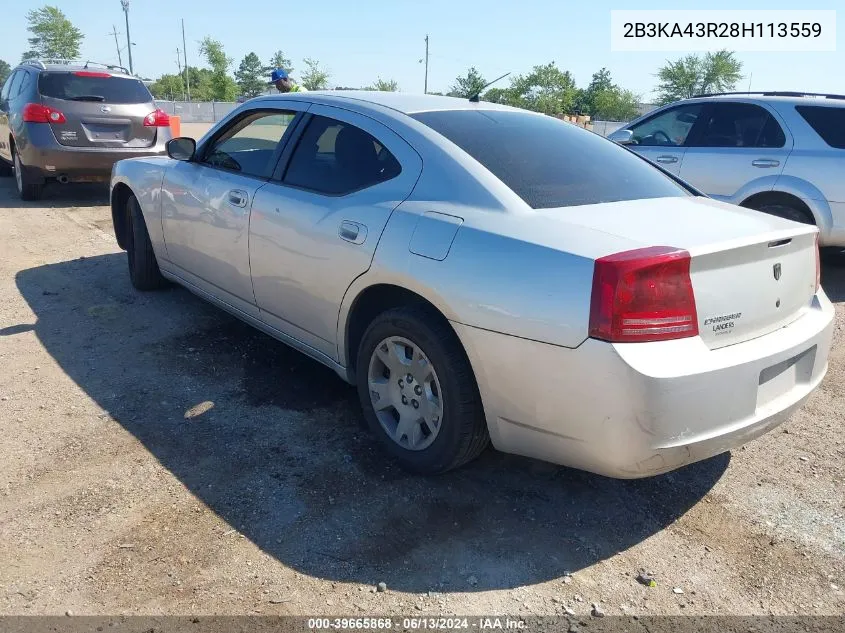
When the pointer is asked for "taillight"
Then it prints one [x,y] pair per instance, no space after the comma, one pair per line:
[158,118]
[643,295]
[37,113]
[818,265]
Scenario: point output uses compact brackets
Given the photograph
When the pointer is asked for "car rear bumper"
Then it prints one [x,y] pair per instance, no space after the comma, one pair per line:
[641,409]
[44,157]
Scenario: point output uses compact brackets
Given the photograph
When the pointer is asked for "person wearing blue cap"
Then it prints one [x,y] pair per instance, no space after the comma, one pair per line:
[283,82]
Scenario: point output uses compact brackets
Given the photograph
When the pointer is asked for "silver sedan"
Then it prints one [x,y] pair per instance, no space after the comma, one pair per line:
[483,273]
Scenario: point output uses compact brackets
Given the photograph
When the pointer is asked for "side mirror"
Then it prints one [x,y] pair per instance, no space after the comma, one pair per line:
[622,136]
[181,148]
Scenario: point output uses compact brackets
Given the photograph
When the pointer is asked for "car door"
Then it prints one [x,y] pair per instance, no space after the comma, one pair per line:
[206,204]
[5,129]
[662,137]
[315,226]
[735,144]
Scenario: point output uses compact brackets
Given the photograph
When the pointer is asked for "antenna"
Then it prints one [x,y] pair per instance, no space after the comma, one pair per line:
[474,98]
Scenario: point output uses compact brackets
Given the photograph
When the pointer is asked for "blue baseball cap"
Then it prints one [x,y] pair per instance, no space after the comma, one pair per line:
[279,73]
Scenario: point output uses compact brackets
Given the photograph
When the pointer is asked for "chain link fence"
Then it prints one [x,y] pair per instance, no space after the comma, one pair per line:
[197,111]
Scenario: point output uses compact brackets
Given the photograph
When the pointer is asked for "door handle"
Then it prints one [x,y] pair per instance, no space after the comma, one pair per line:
[352,232]
[667,159]
[238,198]
[765,162]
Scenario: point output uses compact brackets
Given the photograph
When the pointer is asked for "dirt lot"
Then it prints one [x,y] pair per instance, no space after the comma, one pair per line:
[119,496]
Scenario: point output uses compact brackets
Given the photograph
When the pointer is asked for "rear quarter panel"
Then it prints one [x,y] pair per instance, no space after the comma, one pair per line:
[144,176]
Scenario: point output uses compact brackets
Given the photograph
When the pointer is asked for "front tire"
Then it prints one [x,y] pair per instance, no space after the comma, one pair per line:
[143,267]
[419,393]
[27,189]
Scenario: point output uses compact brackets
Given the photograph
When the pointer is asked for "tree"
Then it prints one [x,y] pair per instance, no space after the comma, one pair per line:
[546,89]
[223,87]
[170,87]
[388,85]
[278,60]
[5,71]
[694,75]
[604,100]
[315,78]
[53,35]
[468,85]
[250,76]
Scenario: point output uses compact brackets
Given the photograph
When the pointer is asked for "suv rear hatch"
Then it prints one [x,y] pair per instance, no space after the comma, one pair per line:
[751,273]
[100,109]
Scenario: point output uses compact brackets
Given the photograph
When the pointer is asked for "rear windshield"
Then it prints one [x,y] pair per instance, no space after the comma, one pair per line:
[549,163]
[829,123]
[75,87]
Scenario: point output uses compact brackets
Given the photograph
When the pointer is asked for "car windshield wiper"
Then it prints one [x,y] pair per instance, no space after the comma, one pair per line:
[87,98]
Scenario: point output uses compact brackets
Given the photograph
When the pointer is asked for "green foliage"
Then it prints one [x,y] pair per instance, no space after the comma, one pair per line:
[53,35]
[315,78]
[384,85]
[250,76]
[693,75]
[223,87]
[546,89]
[278,60]
[468,85]
[170,87]
[604,100]
[5,71]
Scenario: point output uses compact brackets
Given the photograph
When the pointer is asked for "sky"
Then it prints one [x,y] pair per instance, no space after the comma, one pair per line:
[361,41]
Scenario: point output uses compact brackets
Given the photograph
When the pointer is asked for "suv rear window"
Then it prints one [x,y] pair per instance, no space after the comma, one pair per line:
[829,123]
[78,87]
[549,163]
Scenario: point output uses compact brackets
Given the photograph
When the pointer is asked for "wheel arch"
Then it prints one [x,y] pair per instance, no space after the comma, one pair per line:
[120,194]
[364,303]
[795,192]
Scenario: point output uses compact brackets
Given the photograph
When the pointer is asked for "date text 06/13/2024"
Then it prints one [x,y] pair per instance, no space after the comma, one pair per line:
[417,623]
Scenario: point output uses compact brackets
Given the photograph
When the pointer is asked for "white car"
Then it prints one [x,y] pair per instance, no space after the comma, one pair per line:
[483,273]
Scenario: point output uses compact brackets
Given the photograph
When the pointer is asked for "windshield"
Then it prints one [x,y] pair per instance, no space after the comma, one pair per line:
[549,163]
[84,87]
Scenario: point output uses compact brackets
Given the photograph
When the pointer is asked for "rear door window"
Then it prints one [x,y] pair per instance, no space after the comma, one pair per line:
[93,86]
[738,125]
[829,123]
[549,163]
[337,158]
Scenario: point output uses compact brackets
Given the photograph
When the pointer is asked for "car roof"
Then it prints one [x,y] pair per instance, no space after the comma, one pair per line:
[404,102]
[774,97]
[40,66]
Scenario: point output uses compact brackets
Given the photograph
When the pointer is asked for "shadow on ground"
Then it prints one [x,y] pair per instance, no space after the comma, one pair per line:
[282,455]
[55,195]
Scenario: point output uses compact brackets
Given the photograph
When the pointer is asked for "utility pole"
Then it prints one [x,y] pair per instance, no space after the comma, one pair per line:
[425,88]
[185,54]
[179,64]
[116,44]
[125,5]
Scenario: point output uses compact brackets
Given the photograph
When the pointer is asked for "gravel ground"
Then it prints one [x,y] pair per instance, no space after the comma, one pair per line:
[159,457]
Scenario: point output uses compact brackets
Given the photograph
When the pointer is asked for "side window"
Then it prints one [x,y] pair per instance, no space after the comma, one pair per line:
[7,87]
[668,129]
[829,123]
[26,77]
[337,158]
[250,143]
[739,125]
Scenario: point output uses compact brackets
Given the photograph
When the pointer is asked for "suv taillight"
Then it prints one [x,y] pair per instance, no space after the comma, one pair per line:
[818,265]
[643,295]
[158,118]
[37,113]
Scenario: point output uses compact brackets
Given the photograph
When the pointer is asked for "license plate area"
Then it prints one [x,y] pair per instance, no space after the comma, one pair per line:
[778,381]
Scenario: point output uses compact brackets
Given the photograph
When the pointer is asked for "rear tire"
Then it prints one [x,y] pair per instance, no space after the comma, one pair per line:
[143,266]
[443,389]
[27,189]
[787,212]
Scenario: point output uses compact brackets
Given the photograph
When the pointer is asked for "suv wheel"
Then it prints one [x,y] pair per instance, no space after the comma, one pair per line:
[787,212]
[419,393]
[26,189]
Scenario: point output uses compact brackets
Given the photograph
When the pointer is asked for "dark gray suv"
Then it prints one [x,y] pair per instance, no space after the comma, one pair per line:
[64,121]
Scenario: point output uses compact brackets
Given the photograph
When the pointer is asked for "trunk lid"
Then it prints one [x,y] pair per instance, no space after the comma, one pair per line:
[101,110]
[751,273]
